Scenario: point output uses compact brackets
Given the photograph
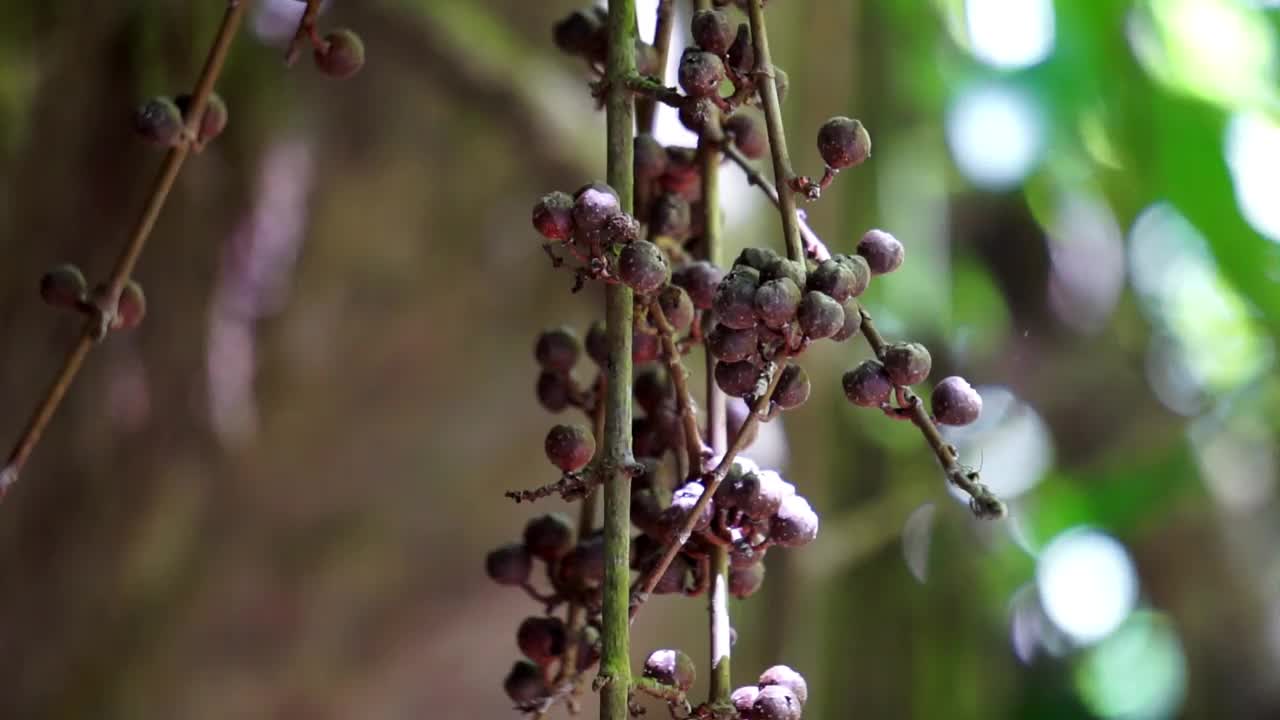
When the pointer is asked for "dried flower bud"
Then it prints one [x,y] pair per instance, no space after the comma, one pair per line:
[557,350]
[131,307]
[776,302]
[852,322]
[955,402]
[524,683]
[843,143]
[867,385]
[786,677]
[820,316]
[548,537]
[569,447]
[745,581]
[341,55]
[643,267]
[677,307]
[541,639]
[775,702]
[650,157]
[755,257]
[699,279]
[63,286]
[592,205]
[734,301]
[159,121]
[793,387]
[729,345]
[509,565]
[795,523]
[712,31]
[882,251]
[670,667]
[700,73]
[742,54]
[907,363]
[748,134]
[736,379]
[553,216]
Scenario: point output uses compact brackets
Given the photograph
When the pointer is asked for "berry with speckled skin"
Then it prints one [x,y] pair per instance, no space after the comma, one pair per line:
[569,447]
[955,402]
[883,252]
[906,363]
[867,385]
[843,143]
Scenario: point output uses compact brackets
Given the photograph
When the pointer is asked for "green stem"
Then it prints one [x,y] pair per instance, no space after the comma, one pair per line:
[718,609]
[615,664]
[782,173]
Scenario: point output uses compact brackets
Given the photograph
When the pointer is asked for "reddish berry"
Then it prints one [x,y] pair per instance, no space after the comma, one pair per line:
[683,502]
[554,390]
[882,251]
[524,683]
[843,143]
[748,134]
[729,345]
[852,322]
[159,121]
[509,565]
[643,267]
[700,73]
[645,347]
[675,579]
[775,702]
[583,566]
[553,216]
[820,316]
[670,667]
[776,302]
[677,307]
[557,350]
[787,678]
[770,491]
[712,31]
[745,581]
[699,279]
[548,537]
[541,639]
[130,308]
[620,229]
[793,387]
[906,363]
[955,402]
[867,385]
[63,286]
[341,55]
[214,120]
[736,379]
[593,205]
[569,447]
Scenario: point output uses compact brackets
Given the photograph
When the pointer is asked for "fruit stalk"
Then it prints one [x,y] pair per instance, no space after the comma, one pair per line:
[647,108]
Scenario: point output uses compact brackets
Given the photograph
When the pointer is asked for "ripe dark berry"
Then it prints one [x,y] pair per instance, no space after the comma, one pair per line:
[683,502]
[557,350]
[955,402]
[541,639]
[645,347]
[647,437]
[643,267]
[554,391]
[548,537]
[794,524]
[215,116]
[670,667]
[597,343]
[867,385]
[787,678]
[835,279]
[63,286]
[699,279]
[820,315]
[524,684]
[857,265]
[650,157]
[784,268]
[734,301]
[583,566]
[743,698]
[159,121]
[593,205]
[620,229]
[701,115]
[579,33]
[675,579]
[843,143]
[882,251]
[130,308]
[770,491]
[677,307]
[742,54]
[671,216]
[748,134]
[700,73]
[793,387]
[712,31]
[341,55]
[776,302]
[775,702]
[569,447]
[852,322]
[509,565]
[906,363]
[729,345]
[736,379]
[652,389]
[756,257]
[745,581]
[553,216]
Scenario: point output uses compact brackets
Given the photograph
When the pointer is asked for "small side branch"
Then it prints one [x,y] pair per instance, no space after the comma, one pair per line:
[694,447]
[813,245]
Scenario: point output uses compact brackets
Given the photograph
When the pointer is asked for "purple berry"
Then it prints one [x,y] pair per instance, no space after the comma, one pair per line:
[745,581]
[712,31]
[784,676]
[541,639]
[776,302]
[509,565]
[867,385]
[557,350]
[955,402]
[852,322]
[159,121]
[699,279]
[341,55]
[729,345]
[882,251]
[569,447]
[593,205]
[795,524]
[677,307]
[643,267]
[734,301]
[748,134]
[737,379]
[700,73]
[548,537]
[597,343]
[793,387]
[836,279]
[670,667]
[906,363]
[743,698]
[524,683]
[775,702]
[553,216]
[820,316]
[843,143]
[214,120]
[63,286]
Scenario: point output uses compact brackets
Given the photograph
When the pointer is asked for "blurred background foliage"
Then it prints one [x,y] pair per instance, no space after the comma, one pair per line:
[272,500]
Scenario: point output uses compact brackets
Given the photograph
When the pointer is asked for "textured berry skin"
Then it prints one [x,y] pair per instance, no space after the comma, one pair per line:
[509,565]
[159,121]
[712,31]
[775,702]
[524,683]
[553,216]
[699,279]
[700,73]
[650,157]
[784,268]
[770,492]
[955,402]
[620,229]
[736,379]
[63,286]
[882,251]
[852,322]
[700,115]
[670,667]
[341,55]
[557,350]
[745,581]
[131,308]
[643,267]
[548,537]
[795,524]
[793,387]
[671,216]
[907,363]
[748,134]
[729,345]
[835,279]
[857,265]
[742,54]
[867,385]
[843,143]
[541,639]
[820,316]
[683,502]
[677,307]
[569,447]
[743,698]
[786,677]
[755,257]
[734,301]
[776,302]
[593,205]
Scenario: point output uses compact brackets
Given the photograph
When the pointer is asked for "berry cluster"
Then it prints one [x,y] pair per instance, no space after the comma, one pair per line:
[779,694]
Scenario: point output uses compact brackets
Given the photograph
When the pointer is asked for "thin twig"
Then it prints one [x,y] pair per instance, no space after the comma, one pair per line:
[571,486]
[694,447]
[646,108]
[654,90]
[106,301]
[306,32]
[982,501]
[813,245]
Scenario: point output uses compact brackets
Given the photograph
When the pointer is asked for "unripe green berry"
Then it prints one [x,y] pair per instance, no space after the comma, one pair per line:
[677,307]
[63,286]
[867,385]
[341,55]
[748,134]
[819,315]
[955,402]
[509,565]
[700,73]
[524,683]
[783,268]
[159,121]
[643,267]
[712,31]
[793,387]
[214,119]
[776,302]
[670,667]
[882,251]
[843,143]
[557,350]
[788,678]
[906,363]
[553,216]
[548,537]
[569,447]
